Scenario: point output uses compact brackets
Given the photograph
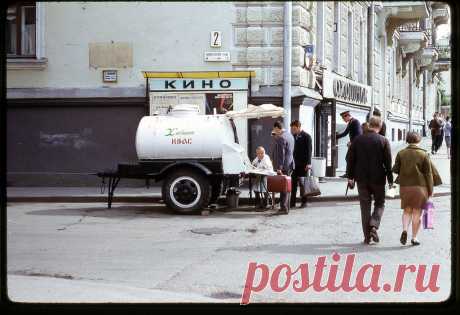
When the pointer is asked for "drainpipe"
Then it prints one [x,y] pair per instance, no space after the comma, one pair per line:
[384,75]
[411,91]
[424,102]
[287,63]
[370,53]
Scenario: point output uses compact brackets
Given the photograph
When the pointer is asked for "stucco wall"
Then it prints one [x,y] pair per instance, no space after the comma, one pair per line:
[164,37]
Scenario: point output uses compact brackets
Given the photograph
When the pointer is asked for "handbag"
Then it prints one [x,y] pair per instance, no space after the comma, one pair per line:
[310,185]
[428,215]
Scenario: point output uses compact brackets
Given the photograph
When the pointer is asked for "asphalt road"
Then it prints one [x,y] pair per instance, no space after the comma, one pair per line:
[144,253]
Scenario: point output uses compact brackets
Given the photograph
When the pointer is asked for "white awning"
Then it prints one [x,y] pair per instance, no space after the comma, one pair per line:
[253,111]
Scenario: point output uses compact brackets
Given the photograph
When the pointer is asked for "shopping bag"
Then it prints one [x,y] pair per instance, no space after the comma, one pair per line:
[310,186]
[428,215]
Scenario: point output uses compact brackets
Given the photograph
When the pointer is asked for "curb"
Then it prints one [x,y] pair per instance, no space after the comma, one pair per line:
[153,199]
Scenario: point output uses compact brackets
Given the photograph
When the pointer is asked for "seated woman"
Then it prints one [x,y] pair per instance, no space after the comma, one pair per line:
[263,162]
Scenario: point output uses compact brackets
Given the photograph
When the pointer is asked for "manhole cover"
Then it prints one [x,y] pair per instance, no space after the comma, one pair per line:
[210,231]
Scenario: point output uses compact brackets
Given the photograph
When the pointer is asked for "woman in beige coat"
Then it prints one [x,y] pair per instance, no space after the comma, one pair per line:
[417,176]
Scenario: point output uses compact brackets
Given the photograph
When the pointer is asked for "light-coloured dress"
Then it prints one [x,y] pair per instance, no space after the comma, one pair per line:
[260,182]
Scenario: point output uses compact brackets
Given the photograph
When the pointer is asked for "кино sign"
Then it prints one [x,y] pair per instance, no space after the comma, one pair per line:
[198,84]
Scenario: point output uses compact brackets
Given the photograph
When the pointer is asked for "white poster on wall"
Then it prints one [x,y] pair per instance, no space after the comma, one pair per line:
[160,102]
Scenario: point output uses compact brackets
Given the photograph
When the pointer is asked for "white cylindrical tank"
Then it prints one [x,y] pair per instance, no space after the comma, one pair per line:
[182,134]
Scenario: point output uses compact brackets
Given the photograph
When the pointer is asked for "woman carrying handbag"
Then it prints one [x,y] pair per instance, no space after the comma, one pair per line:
[416,177]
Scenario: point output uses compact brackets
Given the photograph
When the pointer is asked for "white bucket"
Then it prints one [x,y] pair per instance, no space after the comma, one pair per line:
[318,166]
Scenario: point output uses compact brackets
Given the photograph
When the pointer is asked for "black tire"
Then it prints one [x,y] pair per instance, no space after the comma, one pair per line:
[186,191]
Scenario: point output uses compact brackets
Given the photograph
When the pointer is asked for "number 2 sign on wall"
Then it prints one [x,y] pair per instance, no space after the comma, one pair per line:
[216,39]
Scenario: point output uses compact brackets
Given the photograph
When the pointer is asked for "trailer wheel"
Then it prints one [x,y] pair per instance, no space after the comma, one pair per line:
[186,191]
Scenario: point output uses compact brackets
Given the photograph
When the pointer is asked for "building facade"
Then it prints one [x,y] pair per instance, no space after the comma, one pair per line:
[77,88]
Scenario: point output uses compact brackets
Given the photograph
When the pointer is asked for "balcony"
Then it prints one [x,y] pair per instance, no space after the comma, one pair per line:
[412,37]
[443,52]
[440,16]
[438,5]
[440,66]
[426,56]
[399,13]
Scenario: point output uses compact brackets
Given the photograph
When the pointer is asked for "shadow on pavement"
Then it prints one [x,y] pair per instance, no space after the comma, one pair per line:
[319,249]
[148,211]
[103,212]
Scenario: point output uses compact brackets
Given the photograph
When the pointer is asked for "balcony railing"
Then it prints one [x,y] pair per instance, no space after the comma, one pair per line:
[410,27]
[443,52]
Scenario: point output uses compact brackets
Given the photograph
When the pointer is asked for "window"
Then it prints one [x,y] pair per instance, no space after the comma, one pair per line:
[361,51]
[399,135]
[222,102]
[350,36]
[404,134]
[336,30]
[392,134]
[21,30]
[320,37]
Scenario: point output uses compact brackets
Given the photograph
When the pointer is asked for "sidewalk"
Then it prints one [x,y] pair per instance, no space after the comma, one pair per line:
[48,289]
[331,190]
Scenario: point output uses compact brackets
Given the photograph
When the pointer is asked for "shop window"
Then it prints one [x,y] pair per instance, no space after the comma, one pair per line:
[392,134]
[21,30]
[222,102]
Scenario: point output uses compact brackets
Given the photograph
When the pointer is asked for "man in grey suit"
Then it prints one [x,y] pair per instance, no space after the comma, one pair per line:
[283,159]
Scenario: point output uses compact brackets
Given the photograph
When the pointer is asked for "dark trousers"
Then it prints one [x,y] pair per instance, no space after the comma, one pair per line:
[434,143]
[284,197]
[295,184]
[261,199]
[366,192]
[439,141]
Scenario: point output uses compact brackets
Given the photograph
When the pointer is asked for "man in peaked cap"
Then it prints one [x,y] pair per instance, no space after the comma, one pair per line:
[353,130]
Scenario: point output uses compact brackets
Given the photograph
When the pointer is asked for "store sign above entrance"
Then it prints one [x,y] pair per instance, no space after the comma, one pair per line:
[345,90]
[221,84]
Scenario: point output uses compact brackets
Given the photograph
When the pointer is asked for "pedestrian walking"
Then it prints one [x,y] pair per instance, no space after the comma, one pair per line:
[435,127]
[302,161]
[377,113]
[262,162]
[369,165]
[353,129]
[416,178]
[440,138]
[283,159]
[447,136]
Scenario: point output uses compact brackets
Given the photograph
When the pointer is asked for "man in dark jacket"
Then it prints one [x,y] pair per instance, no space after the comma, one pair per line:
[354,129]
[302,160]
[353,126]
[377,113]
[282,157]
[369,164]
[436,128]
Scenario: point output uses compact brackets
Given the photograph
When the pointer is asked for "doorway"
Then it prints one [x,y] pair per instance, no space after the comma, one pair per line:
[325,142]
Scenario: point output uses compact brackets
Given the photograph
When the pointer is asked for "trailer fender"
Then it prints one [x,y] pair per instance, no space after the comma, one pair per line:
[189,164]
